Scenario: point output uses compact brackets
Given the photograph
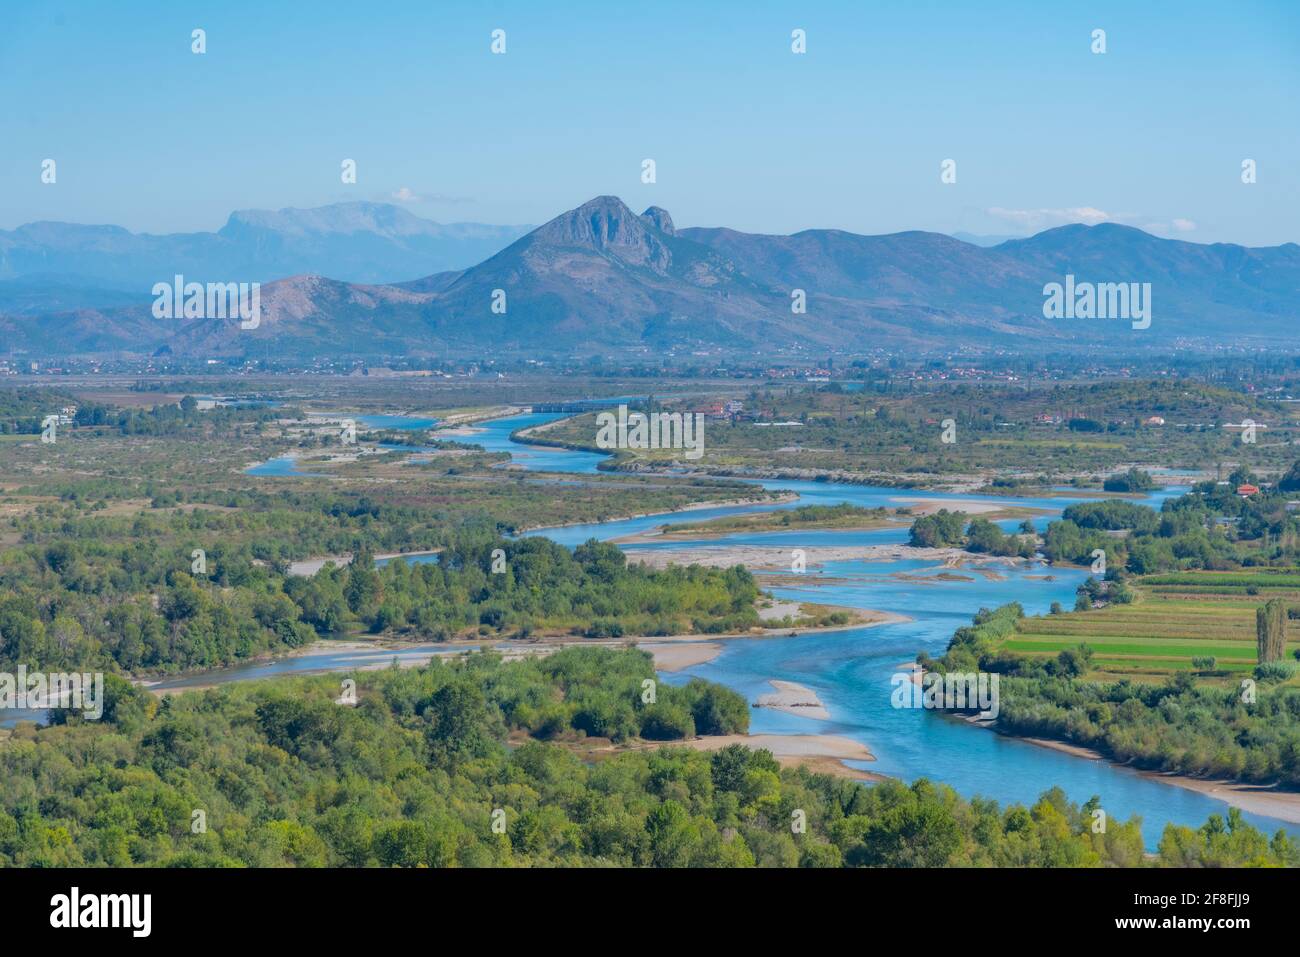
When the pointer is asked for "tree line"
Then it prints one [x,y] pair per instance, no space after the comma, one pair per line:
[436,766]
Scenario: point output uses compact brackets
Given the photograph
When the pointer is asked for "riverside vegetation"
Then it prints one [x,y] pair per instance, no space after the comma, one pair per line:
[418,771]
[1179,660]
[97,535]
[87,601]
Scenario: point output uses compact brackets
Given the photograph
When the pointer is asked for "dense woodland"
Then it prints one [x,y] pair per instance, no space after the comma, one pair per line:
[412,775]
[95,601]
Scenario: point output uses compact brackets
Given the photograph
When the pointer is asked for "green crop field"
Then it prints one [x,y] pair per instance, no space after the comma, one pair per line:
[1174,619]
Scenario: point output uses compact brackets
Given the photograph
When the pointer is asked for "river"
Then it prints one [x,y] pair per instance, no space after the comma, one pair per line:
[851,670]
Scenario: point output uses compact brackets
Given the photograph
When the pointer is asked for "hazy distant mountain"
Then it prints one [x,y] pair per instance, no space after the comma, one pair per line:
[354,242]
[360,242]
[602,279]
[1220,291]
[36,293]
[978,239]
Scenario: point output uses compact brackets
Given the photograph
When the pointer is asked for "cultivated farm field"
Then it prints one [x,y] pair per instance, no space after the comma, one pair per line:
[1173,620]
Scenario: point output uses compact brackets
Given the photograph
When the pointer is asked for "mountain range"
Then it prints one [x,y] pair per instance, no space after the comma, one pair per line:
[91,266]
[602,279]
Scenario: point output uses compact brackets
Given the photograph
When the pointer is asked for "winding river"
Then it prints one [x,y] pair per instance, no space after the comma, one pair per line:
[850,670]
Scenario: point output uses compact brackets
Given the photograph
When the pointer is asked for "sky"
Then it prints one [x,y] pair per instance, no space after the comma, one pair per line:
[745,133]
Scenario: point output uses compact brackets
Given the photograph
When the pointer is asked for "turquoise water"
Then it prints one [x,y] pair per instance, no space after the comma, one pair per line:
[495,437]
[287,466]
[284,466]
[850,670]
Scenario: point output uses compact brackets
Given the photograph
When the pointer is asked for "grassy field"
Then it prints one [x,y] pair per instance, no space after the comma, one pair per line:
[1174,619]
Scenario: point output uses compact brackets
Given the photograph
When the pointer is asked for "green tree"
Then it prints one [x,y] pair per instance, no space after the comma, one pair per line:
[1270,631]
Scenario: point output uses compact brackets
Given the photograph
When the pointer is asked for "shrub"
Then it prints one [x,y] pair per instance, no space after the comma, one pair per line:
[1275,671]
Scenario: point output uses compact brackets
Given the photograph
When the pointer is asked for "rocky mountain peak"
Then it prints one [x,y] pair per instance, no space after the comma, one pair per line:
[607,225]
[658,217]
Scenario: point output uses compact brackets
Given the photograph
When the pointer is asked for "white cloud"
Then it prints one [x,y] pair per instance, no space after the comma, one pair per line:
[404,194]
[1037,219]
[1177,226]
[1040,218]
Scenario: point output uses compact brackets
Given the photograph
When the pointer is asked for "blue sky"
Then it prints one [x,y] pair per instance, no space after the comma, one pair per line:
[744,133]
